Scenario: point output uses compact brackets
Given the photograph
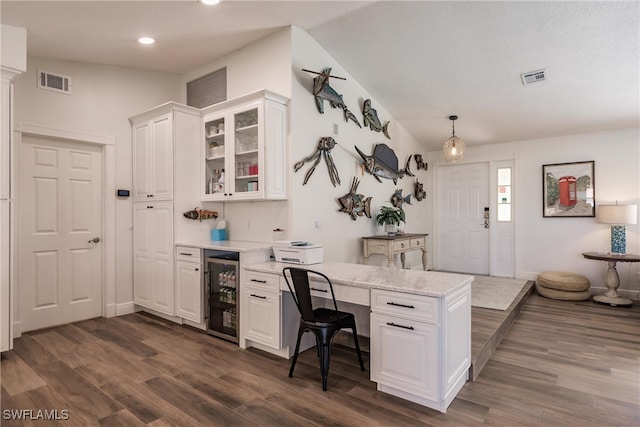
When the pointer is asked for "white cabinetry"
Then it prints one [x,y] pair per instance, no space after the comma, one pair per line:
[153,159]
[165,143]
[153,256]
[189,290]
[260,301]
[420,346]
[244,149]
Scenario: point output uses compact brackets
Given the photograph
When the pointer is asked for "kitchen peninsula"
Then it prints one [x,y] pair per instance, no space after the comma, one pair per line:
[420,323]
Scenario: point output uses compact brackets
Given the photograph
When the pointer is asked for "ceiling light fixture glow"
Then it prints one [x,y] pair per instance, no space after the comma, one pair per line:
[146,40]
[209,2]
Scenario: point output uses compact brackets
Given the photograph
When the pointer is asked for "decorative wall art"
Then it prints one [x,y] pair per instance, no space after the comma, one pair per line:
[370,118]
[568,189]
[323,92]
[384,163]
[355,204]
[200,214]
[323,150]
[418,191]
[397,199]
[420,164]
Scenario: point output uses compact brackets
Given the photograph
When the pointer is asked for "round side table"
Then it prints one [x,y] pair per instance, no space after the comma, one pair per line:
[612,280]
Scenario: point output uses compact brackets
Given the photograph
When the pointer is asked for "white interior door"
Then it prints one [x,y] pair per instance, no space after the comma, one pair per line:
[463,240]
[60,214]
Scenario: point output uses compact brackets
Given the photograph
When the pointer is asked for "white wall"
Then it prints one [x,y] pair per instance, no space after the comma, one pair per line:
[265,64]
[545,244]
[102,100]
[314,206]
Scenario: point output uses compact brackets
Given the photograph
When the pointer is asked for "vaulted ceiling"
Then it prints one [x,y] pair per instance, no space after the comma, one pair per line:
[421,60]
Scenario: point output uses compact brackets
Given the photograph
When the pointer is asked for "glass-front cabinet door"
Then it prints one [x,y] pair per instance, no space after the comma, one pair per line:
[240,135]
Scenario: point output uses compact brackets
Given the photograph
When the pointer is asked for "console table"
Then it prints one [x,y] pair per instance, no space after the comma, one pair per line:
[389,246]
[612,280]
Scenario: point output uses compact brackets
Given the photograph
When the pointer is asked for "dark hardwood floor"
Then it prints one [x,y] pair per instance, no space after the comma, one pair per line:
[559,364]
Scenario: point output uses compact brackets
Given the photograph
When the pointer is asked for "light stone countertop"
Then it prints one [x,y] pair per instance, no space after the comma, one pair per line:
[228,245]
[419,282]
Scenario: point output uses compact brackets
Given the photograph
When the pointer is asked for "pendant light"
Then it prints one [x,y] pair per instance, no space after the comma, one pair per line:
[453,147]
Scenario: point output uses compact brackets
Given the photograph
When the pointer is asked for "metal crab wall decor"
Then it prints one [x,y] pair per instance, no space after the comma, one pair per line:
[418,191]
[322,91]
[325,145]
[420,164]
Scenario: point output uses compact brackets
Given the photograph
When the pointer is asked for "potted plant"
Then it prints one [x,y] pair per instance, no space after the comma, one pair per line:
[390,217]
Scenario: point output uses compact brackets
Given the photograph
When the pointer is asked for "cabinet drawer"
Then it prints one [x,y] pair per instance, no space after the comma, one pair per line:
[187,253]
[417,243]
[377,247]
[262,281]
[416,307]
[401,245]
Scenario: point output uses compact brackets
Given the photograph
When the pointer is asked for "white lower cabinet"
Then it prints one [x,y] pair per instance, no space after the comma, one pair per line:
[260,309]
[153,256]
[404,355]
[189,289]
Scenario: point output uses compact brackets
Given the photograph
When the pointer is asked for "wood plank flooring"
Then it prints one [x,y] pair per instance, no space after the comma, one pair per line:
[559,364]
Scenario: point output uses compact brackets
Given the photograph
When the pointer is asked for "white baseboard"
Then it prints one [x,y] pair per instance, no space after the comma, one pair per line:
[17,329]
[632,294]
[125,308]
[109,310]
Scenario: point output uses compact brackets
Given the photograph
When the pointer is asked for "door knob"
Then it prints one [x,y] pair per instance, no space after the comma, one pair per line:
[94,240]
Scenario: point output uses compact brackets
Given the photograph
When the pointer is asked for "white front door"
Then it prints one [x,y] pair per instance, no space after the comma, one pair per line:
[60,215]
[463,240]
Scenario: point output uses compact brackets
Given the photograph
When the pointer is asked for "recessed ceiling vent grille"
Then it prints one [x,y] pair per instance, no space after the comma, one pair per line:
[533,77]
[54,82]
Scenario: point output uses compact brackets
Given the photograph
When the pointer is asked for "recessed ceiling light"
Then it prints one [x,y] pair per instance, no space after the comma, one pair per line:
[146,40]
[209,2]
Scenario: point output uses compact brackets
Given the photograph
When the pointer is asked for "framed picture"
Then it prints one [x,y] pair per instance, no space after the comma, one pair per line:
[568,190]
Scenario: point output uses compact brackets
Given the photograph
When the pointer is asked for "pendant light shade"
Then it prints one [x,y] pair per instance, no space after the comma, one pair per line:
[453,147]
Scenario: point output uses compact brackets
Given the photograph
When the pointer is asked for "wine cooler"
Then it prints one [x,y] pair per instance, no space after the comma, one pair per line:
[222,277]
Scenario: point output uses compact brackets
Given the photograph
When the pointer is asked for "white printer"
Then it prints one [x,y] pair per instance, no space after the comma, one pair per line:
[297,252]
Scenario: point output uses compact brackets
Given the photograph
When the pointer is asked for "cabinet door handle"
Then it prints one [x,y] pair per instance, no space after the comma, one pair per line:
[400,305]
[185,254]
[258,296]
[319,290]
[197,269]
[400,326]
[259,281]
[149,207]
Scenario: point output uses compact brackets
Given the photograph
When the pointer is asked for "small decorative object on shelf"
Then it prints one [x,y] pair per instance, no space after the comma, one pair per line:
[371,119]
[390,217]
[322,91]
[383,163]
[420,164]
[200,214]
[325,145]
[355,204]
[397,199]
[419,191]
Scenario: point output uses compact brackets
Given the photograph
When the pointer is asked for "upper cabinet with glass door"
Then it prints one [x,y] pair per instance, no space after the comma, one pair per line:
[244,151]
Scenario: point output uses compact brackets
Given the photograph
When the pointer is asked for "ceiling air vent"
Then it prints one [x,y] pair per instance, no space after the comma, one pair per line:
[534,76]
[54,82]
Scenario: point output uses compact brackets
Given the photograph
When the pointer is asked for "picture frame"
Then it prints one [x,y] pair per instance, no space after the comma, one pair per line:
[568,190]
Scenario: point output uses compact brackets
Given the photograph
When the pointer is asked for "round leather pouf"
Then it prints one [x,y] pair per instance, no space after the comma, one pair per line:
[562,281]
[563,295]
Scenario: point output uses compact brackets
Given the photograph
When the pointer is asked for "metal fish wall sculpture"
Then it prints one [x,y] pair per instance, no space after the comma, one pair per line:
[323,150]
[323,92]
[371,119]
[355,204]
[383,163]
[200,214]
[397,199]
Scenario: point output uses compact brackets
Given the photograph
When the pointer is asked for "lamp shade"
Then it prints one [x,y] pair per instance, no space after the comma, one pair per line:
[617,214]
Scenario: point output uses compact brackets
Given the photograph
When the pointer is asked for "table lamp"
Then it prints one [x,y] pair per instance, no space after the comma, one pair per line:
[618,216]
